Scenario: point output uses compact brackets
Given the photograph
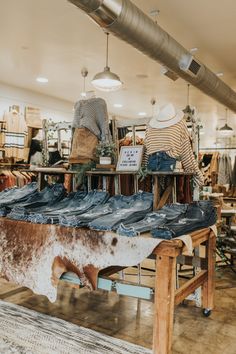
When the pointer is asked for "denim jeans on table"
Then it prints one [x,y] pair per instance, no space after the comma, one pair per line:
[161,161]
[138,208]
[11,197]
[153,220]
[48,196]
[114,203]
[150,221]
[75,207]
[198,215]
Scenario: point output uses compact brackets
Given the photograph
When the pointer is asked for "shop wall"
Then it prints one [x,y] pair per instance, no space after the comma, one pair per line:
[56,109]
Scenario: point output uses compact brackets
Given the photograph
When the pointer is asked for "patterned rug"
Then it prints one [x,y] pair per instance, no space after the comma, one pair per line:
[24,331]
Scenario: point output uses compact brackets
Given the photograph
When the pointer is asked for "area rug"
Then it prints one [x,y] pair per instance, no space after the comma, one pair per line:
[24,331]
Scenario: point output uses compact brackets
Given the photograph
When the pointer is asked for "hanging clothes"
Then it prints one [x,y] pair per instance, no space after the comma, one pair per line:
[175,141]
[234,173]
[92,114]
[15,135]
[225,170]
[12,178]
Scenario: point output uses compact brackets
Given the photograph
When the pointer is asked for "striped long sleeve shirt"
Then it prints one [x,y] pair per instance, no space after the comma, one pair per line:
[175,141]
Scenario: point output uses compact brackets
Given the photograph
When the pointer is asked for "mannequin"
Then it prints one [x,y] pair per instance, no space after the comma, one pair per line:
[167,139]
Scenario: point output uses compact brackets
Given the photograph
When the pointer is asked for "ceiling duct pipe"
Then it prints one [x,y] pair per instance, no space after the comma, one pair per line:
[128,22]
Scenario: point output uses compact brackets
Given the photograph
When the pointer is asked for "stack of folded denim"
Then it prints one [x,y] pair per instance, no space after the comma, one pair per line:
[152,220]
[114,203]
[13,196]
[198,215]
[77,205]
[140,204]
[48,196]
[39,215]
[173,220]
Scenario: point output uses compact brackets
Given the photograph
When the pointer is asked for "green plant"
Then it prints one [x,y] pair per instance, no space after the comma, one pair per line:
[106,149]
[143,173]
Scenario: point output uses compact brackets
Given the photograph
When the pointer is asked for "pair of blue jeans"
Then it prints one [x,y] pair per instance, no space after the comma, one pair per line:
[161,161]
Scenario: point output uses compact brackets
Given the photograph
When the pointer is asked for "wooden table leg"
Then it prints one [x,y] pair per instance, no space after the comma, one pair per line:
[156,193]
[164,304]
[89,183]
[209,285]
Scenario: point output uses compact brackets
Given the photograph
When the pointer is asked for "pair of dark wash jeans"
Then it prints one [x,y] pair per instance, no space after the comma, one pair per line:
[198,215]
[161,161]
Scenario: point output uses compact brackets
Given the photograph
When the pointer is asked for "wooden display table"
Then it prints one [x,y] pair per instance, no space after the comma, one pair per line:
[166,296]
[38,256]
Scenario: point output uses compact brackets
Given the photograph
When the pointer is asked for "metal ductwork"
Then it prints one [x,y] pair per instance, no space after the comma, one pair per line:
[128,22]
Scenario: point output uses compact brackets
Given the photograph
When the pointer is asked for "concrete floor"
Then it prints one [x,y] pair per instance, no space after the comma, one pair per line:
[131,319]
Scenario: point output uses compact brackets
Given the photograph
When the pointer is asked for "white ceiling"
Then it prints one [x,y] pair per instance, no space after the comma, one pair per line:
[53,38]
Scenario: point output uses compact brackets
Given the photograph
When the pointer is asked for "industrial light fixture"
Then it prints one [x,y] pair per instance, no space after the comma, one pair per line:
[106,80]
[118,105]
[142,114]
[226,130]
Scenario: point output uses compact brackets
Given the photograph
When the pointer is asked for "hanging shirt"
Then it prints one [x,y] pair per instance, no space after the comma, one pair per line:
[92,114]
[175,141]
[225,170]
[15,135]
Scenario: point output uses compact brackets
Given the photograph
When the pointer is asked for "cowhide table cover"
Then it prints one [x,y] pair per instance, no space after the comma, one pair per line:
[35,255]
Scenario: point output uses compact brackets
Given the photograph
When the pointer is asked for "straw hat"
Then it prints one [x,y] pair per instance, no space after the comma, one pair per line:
[166,117]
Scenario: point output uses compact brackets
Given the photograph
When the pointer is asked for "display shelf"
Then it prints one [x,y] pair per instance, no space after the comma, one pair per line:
[158,201]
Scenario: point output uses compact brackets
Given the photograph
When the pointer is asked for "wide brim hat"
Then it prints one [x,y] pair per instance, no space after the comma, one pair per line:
[167,116]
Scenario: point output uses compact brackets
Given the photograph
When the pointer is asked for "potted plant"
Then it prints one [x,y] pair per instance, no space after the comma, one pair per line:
[105,151]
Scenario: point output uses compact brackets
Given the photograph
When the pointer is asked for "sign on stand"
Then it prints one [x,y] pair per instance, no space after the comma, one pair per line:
[130,158]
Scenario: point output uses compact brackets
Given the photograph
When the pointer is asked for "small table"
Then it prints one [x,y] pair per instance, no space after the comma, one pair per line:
[42,172]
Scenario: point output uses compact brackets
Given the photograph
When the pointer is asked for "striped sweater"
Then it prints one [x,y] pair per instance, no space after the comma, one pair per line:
[175,141]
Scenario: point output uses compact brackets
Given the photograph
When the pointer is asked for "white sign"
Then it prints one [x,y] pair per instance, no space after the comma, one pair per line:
[130,158]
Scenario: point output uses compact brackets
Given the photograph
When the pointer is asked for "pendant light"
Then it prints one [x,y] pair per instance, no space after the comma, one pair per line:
[84,73]
[226,130]
[106,80]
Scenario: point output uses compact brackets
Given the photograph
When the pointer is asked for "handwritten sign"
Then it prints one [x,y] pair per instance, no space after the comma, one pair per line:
[130,158]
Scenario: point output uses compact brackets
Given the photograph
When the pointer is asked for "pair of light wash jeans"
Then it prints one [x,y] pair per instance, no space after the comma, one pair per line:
[48,196]
[76,206]
[140,204]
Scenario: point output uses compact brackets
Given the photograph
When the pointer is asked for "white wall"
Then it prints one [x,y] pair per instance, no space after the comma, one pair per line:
[56,109]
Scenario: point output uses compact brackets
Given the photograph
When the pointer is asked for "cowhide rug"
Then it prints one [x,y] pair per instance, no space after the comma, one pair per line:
[24,331]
